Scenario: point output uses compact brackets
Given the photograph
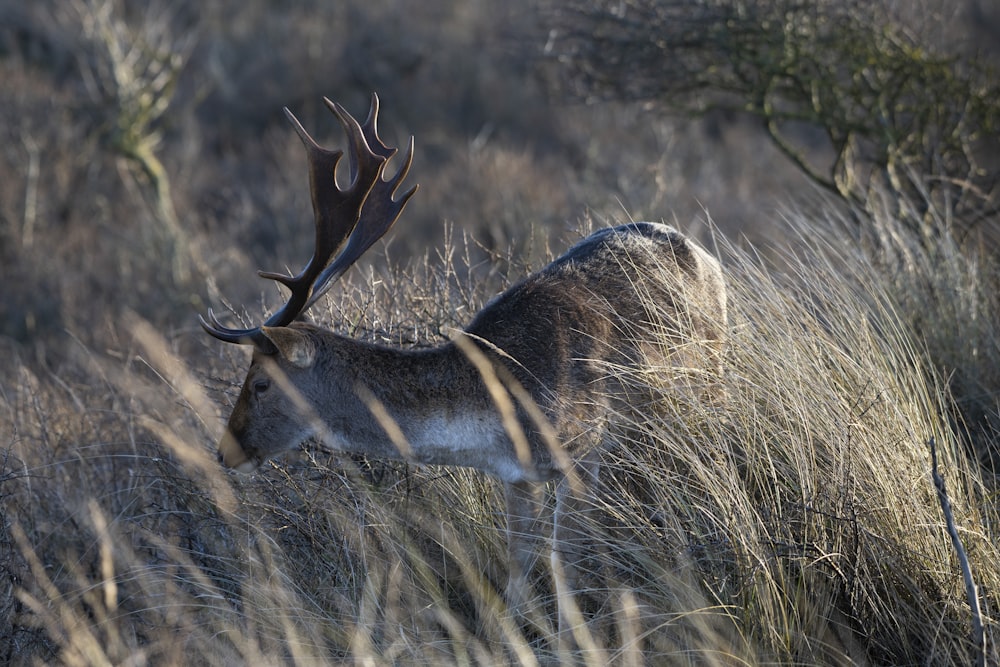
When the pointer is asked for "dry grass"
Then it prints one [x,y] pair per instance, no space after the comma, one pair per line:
[797,523]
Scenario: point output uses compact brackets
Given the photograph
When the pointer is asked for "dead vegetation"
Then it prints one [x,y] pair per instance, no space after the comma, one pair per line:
[796,524]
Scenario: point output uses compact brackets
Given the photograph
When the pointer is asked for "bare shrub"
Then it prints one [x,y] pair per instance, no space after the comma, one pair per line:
[888,101]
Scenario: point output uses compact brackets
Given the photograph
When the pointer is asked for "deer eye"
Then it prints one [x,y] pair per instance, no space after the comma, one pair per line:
[260,386]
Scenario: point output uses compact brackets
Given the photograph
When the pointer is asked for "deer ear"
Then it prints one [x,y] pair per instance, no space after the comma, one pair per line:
[294,345]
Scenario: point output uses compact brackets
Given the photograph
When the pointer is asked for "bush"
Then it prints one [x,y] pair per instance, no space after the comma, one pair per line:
[890,107]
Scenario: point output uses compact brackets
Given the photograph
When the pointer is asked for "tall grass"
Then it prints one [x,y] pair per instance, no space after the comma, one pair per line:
[794,523]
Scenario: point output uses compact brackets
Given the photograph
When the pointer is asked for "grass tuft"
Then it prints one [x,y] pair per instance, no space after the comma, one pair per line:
[793,521]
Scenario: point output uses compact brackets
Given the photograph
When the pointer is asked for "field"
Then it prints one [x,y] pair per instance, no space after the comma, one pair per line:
[147,171]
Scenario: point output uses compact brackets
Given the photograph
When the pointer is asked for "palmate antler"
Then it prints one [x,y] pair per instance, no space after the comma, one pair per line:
[348,220]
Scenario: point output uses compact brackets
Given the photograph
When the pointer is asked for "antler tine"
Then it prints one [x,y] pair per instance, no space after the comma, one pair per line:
[369,129]
[347,220]
[240,336]
[336,210]
[380,212]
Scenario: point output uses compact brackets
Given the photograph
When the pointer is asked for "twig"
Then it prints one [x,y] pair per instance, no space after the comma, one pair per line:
[971,590]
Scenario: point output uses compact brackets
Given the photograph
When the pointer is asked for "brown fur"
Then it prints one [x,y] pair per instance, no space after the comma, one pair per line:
[555,352]
[616,300]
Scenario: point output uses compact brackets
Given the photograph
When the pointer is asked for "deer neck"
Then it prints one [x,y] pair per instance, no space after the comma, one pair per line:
[426,406]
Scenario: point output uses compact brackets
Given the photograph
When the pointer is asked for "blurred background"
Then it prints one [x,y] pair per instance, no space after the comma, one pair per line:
[146,163]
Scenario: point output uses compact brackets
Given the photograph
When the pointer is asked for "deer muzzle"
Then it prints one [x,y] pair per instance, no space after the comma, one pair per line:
[232,455]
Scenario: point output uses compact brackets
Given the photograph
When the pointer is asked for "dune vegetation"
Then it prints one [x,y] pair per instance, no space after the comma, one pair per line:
[147,172]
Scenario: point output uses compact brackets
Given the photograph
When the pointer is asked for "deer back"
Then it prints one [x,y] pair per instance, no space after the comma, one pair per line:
[620,304]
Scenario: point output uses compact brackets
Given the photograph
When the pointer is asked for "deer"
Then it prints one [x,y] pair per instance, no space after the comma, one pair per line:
[526,393]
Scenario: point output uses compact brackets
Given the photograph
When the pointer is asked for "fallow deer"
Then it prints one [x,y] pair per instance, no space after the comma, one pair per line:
[526,393]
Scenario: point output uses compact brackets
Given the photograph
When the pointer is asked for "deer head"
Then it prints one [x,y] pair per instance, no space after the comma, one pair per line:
[348,221]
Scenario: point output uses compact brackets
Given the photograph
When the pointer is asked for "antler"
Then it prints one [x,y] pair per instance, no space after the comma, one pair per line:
[348,220]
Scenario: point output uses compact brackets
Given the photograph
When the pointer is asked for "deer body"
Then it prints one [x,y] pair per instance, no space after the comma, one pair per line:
[559,334]
[526,393]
